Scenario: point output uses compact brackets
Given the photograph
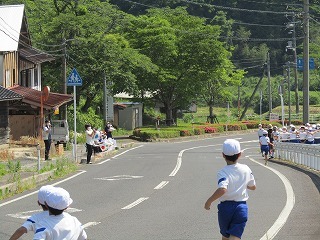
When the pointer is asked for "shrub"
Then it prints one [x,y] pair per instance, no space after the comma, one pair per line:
[184,133]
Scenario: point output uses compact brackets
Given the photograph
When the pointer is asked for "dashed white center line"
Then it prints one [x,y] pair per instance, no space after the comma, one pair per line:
[135,203]
[161,185]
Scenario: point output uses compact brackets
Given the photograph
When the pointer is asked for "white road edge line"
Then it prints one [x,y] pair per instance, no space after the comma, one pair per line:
[161,185]
[281,220]
[107,160]
[89,224]
[29,194]
[127,151]
[135,203]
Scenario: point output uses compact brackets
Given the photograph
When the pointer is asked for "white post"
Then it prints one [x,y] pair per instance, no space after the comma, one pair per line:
[75,123]
[38,150]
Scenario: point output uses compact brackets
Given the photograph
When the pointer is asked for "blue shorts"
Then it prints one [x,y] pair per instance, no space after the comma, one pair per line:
[232,217]
[265,149]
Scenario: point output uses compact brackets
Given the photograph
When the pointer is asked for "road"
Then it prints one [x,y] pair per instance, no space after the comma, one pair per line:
[157,191]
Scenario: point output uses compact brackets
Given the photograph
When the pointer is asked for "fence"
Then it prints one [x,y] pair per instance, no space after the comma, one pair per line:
[299,153]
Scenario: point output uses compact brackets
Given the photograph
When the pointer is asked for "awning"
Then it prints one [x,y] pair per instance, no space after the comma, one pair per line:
[32,97]
[8,95]
[34,55]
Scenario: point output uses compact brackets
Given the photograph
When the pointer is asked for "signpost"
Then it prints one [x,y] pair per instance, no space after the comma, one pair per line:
[300,63]
[74,80]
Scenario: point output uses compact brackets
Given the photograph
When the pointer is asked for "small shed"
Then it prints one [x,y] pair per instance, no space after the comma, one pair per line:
[130,117]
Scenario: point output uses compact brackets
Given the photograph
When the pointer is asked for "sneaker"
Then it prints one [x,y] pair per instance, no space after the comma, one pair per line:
[89,162]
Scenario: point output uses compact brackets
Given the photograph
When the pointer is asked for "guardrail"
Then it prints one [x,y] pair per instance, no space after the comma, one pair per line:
[299,153]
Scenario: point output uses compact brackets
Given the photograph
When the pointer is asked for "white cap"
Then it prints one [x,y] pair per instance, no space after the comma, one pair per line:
[44,191]
[59,199]
[231,147]
[265,132]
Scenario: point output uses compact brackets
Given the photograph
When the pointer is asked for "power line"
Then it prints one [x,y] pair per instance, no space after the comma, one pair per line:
[235,9]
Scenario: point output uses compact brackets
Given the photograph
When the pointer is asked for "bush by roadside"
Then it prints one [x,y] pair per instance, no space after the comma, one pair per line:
[164,132]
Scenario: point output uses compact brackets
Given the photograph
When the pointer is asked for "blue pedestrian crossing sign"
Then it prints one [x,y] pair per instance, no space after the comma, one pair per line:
[74,79]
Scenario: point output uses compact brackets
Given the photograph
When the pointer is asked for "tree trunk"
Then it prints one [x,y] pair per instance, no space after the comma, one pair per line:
[169,117]
[87,104]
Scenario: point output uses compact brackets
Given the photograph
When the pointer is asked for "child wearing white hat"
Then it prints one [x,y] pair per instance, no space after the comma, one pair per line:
[59,224]
[233,182]
[33,221]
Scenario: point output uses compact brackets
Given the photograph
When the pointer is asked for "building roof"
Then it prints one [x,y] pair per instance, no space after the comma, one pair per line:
[8,95]
[11,17]
[32,97]
[14,34]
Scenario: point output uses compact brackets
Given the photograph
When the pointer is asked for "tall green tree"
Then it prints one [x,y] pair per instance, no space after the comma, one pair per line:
[184,48]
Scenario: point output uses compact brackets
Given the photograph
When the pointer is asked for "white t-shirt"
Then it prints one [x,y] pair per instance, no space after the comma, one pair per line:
[235,178]
[260,132]
[264,140]
[89,140]
[46,132]
[32,223]
[63,226]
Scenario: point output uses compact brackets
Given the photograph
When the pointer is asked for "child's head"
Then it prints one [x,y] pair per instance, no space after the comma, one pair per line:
[44,191]
[231,150]
[58,201]
[265,133]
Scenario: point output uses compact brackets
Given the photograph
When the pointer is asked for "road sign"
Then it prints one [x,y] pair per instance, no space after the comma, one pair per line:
[74,79]
[300,64]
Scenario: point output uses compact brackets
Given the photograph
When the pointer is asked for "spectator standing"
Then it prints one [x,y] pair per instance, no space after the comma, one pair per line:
[294,135]
[270,135]
[32,222]
[89,142]
[59,224]
[317,134]
[46,135]
[233,182]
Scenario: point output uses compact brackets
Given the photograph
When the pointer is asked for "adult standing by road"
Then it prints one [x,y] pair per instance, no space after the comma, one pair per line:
[89,142]
[46,135]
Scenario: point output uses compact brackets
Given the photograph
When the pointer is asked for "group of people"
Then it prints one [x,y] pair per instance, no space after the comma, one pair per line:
[53,222]
[308,134]
[99,141]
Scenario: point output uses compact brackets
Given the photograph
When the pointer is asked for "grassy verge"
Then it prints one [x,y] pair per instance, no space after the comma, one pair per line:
[12,173]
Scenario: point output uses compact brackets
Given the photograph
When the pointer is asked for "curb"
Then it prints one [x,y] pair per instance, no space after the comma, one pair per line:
[36,178]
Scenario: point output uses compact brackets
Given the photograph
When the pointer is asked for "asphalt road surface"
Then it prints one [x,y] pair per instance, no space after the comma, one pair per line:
[157,191]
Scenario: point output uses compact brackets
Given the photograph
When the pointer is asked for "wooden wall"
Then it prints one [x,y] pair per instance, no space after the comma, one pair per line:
[11,69]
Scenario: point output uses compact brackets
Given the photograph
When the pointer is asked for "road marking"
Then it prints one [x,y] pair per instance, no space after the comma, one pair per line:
[281,220]
[127,151]
[89,224]
[27,214]
[161,185]
[179,159]
[135,203]
[119,177]
[29,194]
[107,160]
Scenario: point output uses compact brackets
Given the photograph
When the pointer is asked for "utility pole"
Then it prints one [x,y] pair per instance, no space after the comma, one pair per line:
[64,77]
[306,61]
[269,84]
[105,100]
[296,90]
[289,95]
[293,45]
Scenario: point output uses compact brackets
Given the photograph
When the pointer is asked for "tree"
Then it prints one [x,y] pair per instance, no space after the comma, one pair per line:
[185,50]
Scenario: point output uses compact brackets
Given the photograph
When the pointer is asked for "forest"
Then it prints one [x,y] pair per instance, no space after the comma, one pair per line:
[177,52]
